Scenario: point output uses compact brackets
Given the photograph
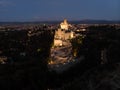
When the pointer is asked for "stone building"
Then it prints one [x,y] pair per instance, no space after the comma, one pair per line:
[64,25]
[63,34]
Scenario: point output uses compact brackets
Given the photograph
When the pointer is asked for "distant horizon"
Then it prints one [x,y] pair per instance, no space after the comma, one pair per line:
[63,19]
[86,21]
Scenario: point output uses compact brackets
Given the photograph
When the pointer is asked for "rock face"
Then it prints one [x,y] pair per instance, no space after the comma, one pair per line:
[101,78]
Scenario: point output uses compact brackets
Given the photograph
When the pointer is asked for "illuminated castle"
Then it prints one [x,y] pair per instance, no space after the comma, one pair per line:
[64,25]
[62,34]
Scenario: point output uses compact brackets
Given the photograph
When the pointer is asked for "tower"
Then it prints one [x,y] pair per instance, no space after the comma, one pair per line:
[64,25]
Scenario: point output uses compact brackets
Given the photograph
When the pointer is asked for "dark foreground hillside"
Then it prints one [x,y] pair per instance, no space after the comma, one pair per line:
[106,77]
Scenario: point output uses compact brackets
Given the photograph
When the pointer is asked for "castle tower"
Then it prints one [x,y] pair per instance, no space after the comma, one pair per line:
[62,34]
[64,25]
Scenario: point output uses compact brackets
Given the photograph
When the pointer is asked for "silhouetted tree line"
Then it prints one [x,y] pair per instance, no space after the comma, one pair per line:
[29,72]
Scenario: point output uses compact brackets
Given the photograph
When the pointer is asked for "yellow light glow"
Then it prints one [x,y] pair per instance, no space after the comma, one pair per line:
[50,62]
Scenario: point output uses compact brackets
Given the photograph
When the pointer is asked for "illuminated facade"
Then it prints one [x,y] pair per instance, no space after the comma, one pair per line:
[64,25]
[62,34]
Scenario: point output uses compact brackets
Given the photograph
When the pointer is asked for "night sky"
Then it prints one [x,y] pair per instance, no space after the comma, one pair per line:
[40,10]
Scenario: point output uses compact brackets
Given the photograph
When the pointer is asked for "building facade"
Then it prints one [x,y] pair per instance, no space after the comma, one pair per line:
[63,34]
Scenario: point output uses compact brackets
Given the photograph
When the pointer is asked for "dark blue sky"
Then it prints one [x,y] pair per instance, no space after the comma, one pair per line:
[39,10]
